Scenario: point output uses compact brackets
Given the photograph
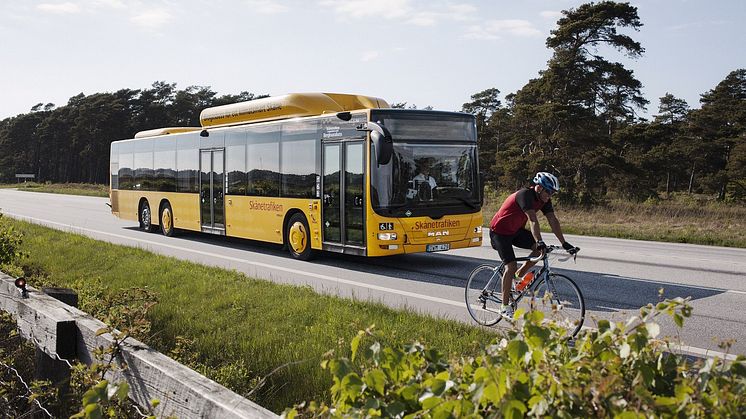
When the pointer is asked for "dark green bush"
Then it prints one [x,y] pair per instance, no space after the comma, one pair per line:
[10,243]
[621,370]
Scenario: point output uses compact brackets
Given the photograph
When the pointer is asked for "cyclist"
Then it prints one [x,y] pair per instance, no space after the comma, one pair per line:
[508,229]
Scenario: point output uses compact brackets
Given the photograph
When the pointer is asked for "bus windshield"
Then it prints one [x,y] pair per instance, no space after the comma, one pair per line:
[430,173]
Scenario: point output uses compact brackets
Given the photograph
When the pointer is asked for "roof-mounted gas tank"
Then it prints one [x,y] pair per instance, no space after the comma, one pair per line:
[165,131]
[288,106]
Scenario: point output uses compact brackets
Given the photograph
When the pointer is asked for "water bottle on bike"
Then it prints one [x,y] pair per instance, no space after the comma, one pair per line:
[520,283]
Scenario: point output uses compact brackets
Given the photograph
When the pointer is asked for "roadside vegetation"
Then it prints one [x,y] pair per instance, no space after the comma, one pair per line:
[85,189]
[86,394]
[621,370]
[681,218]
[231,328]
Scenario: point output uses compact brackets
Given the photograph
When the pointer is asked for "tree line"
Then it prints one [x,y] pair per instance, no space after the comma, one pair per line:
[71,143]
[578,119]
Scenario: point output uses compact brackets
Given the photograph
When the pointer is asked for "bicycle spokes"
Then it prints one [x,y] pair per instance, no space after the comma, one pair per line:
[560,300]
[483,295]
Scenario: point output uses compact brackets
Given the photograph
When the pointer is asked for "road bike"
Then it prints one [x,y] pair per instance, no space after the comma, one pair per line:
[556,295]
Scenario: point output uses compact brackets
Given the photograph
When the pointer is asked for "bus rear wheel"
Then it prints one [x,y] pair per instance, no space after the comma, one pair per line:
[145,217]
[299,237]
[167,220]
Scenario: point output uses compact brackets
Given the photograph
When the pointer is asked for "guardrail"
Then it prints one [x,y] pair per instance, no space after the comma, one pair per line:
[64,332]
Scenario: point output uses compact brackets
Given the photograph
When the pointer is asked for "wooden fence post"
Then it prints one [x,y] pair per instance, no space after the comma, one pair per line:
[50,368]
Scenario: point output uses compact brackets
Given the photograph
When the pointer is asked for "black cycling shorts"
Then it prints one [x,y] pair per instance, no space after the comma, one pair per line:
[504,244]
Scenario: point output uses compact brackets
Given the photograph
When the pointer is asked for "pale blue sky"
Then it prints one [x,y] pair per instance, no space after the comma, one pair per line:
[423,52]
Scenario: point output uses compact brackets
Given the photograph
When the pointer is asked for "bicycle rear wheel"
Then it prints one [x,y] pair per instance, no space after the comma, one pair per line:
[483,294]
[560,299]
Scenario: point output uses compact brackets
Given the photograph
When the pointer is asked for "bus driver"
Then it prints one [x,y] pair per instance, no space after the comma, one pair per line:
[423,184]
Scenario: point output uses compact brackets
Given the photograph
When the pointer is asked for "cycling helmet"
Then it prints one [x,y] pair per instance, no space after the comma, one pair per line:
[547,181]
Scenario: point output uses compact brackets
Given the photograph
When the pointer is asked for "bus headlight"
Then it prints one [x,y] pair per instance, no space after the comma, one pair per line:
[478,230]
[386,236]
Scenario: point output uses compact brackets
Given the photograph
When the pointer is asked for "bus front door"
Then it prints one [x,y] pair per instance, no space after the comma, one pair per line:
[343,199]
[212,189]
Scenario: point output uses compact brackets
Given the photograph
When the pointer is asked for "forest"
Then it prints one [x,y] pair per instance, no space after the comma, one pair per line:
[579,118]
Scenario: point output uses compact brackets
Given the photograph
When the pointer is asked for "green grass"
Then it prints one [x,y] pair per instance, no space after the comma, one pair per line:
[241,328]
[85,189]
[679,219]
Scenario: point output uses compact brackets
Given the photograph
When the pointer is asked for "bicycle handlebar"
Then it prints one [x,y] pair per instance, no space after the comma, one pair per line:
[549,249]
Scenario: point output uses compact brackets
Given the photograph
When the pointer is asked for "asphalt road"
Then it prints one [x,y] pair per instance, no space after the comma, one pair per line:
[616,276]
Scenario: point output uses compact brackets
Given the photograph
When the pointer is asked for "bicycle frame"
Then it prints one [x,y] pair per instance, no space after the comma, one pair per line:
[547,291]
[517,295]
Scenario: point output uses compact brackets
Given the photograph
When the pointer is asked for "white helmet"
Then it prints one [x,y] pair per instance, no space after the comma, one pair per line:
[547,181]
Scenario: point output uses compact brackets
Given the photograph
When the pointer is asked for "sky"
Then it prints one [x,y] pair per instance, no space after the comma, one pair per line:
[423,52]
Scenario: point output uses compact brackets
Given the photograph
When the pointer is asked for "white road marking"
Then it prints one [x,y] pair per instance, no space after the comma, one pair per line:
[149,243]
[689,349]
[665,284]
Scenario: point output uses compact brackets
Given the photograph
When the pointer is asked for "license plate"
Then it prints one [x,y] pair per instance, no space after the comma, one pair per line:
[437,247]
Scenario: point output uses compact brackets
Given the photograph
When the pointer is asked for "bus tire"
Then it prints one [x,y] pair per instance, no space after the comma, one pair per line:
[299,237]
[167,220]
[145,217]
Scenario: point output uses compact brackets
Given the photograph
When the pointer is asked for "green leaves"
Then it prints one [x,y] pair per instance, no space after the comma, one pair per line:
[97,397]
[620,371]
[10,244]
[517,349]
[376,380]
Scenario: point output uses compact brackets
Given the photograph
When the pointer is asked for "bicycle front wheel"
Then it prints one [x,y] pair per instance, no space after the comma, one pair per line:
[483,295]
[560,299]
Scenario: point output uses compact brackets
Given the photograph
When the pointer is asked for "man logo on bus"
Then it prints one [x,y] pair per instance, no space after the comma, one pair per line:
[438,233]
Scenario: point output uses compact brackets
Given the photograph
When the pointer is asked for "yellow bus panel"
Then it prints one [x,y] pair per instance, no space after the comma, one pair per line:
[262,218]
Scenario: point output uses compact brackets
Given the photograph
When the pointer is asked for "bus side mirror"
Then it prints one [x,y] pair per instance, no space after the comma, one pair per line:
[382,141]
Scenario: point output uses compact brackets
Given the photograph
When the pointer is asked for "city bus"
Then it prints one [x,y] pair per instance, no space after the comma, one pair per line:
[310,171]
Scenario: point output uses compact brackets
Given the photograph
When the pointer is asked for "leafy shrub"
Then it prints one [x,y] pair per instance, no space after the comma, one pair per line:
[10,243]
[620,370]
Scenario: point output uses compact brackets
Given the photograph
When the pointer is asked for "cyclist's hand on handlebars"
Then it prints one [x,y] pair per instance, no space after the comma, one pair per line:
[570,248]
[541,246]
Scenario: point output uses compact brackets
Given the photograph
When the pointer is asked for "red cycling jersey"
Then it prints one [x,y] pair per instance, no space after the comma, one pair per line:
[511,216]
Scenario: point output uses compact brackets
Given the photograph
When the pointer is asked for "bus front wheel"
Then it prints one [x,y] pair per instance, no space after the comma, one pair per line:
[145,216]
[299,237]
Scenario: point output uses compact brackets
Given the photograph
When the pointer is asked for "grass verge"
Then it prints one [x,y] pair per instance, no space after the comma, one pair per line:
[232,328]
[680,219]
[85,189]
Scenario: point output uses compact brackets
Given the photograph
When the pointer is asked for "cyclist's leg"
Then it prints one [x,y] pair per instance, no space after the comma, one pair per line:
[507,281]
[525,240]
[504,246]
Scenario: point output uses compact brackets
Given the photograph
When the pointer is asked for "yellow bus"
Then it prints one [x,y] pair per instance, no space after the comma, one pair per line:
[312,171]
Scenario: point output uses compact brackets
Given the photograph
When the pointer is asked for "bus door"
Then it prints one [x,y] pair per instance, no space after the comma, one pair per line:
[211,191]
[343,199]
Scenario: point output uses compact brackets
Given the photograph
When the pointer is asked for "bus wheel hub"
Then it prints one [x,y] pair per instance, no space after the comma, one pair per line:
[298,237]
[167,219]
